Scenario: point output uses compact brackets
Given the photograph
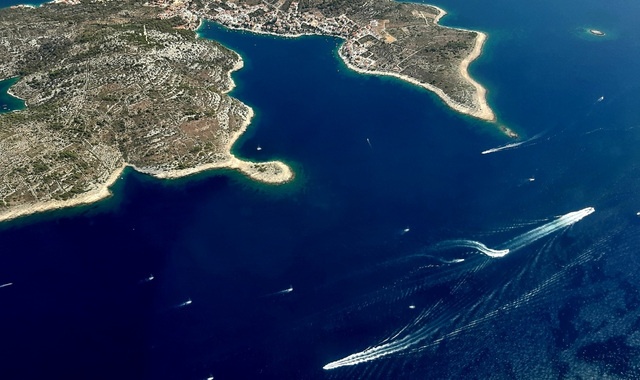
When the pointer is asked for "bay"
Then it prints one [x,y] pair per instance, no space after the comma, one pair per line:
[356,235]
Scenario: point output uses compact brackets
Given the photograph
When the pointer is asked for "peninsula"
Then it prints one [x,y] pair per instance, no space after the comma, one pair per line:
[382,37]
[109,84]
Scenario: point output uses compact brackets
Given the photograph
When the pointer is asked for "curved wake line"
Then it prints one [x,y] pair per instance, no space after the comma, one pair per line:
[475,245]
[388,348]
[523,240]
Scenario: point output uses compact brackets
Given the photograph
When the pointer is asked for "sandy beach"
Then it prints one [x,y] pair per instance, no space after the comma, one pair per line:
[483,111]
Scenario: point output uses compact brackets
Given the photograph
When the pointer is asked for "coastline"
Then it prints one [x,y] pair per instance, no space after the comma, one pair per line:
[263,32]
[272,172]
[441,13]
[596,32]
[87,198]
[481,38]
[483,111]
[10,93]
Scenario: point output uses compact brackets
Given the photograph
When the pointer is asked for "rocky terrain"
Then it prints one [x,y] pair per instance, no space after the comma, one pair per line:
[109,84]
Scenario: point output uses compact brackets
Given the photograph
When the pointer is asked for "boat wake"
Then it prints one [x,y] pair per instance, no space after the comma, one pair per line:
[417,333]
[474,245]
[503,147]
[184,304]
[511,145]
[521,241]
[547,229]
[281,292]
[147,279]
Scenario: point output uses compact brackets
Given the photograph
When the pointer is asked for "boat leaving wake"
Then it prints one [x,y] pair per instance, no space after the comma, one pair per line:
[547,229]
[284,291]
[398,344]
[523,240]
[147,279]
[503,147]
[184,304]
[510,146]
[475,245]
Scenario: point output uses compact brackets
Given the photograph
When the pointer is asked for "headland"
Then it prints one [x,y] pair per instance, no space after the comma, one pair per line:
[108,86]
[381,37]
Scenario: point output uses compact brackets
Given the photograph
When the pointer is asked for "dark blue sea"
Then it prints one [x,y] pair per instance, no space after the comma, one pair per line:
[376,262]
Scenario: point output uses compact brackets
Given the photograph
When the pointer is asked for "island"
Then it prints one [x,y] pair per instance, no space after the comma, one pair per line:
[109,84]
[597,32]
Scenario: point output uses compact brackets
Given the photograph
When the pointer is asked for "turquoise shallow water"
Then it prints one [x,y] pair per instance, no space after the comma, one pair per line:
[8,102]
[368,236]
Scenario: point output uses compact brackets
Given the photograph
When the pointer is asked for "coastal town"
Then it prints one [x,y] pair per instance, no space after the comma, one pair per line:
[283,19]
[381,37]
[286,19]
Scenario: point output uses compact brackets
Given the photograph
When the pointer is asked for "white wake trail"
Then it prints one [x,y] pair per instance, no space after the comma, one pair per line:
[396,344]
[373,353]
[281,292]
[503,147]
[520,241]
[547,229]
[511,145]
[461,243]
